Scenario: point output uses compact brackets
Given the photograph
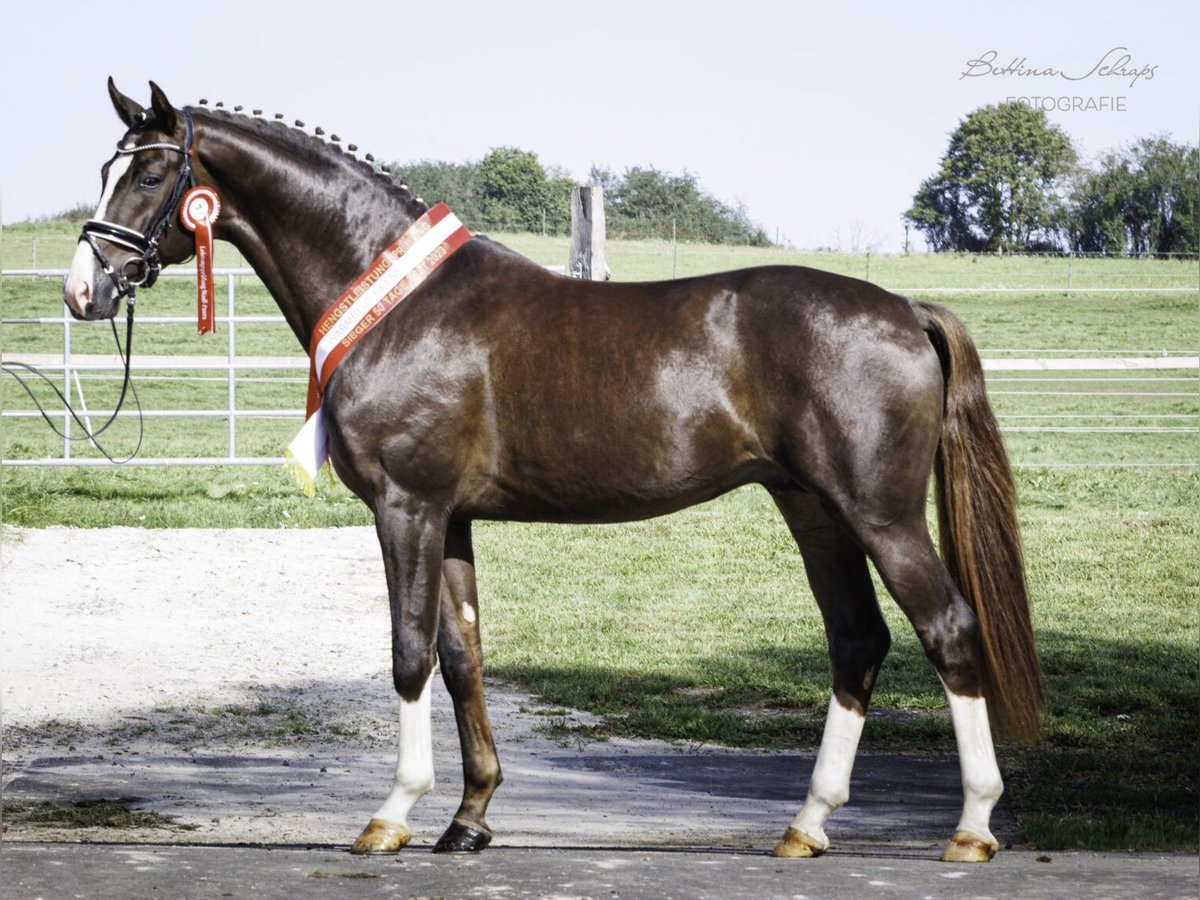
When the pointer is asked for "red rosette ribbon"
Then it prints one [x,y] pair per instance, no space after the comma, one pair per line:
[198,212]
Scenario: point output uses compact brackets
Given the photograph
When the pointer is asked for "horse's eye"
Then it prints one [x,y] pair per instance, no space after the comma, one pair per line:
[149,181]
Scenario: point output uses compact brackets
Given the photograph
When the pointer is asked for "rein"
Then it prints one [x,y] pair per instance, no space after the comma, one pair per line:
[127,385]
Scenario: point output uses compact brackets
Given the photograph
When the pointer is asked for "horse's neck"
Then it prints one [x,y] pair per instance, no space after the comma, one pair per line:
[307,225]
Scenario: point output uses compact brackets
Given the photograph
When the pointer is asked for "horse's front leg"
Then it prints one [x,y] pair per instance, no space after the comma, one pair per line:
[412,536]
[461,658]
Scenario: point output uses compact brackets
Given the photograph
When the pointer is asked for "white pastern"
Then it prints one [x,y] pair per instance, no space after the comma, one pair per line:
[414,766]
[982,785]
[830,785]
[80,282]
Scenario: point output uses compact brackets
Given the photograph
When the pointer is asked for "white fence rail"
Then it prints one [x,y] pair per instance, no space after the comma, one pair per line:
[69,366]
[1070,373]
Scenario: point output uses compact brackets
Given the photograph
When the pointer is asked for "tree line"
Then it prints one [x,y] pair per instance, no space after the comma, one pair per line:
[1012,182]
[511,190]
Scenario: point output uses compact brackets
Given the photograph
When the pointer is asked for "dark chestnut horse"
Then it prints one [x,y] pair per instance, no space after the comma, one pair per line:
[500,390]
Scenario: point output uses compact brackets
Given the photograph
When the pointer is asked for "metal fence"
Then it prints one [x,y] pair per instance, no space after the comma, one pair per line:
[69,366]
[1021,382]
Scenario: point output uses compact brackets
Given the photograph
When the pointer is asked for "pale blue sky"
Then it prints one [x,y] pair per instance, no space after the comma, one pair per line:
[822,120]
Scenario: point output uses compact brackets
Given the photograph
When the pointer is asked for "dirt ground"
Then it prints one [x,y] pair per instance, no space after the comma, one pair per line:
[237,681]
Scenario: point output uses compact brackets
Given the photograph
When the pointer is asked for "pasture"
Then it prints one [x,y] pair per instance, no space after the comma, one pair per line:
[699,627]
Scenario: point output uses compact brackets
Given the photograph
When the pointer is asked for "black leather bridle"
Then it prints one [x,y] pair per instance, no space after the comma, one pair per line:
[142,270]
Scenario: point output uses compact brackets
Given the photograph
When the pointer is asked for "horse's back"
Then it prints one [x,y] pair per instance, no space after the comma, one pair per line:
[745,356]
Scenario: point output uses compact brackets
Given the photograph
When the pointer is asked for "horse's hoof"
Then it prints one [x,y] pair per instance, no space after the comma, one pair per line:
[381,837]
[462,838]
[965,847]
[798,845]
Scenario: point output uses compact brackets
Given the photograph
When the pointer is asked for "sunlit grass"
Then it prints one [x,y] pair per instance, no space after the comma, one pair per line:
[700,627]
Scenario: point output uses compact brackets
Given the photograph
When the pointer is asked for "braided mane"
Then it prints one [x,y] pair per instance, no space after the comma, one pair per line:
[294,136]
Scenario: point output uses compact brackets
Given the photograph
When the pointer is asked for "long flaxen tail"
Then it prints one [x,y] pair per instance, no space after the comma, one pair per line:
[977,525]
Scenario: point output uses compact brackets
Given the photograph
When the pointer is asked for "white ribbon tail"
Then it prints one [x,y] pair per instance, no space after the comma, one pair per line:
[309,450]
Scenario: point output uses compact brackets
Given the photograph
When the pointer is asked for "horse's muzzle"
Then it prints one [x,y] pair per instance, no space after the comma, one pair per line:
[90,298]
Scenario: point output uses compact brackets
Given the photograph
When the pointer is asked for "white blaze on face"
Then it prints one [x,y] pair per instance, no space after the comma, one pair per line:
[80,283]
[119,167]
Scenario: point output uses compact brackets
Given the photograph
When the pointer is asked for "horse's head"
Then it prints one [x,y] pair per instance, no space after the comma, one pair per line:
[136,230]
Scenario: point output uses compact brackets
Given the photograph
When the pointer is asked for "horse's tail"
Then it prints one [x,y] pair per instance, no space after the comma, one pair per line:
[977,525]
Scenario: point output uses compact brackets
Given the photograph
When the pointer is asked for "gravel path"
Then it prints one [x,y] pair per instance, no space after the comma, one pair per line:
[205,675]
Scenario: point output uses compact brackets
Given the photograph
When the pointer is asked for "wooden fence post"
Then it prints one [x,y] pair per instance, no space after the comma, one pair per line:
[586,259]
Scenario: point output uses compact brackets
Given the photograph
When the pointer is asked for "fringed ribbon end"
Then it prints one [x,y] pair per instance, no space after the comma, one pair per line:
[300,474]
[308,452]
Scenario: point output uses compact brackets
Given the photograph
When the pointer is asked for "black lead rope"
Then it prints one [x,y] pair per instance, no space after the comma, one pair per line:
[127,386]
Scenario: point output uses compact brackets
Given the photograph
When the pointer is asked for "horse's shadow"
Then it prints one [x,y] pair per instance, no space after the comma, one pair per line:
[312,759]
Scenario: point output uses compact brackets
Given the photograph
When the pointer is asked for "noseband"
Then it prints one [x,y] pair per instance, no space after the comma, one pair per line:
[143,270]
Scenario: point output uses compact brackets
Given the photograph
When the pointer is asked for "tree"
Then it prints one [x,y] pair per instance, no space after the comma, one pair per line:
[1140,200]
[514,188]
[1166,195]
[510,189]
[937,212]
[646,202]
[559,184]
[458,185]
[1101,204]
[998,186]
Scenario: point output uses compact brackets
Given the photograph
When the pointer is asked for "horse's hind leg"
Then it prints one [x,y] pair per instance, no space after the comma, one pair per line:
[858,641]
[461,659]
[948,629]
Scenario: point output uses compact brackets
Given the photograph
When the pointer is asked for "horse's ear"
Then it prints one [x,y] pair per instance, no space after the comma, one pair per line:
[128,110]
[164,112]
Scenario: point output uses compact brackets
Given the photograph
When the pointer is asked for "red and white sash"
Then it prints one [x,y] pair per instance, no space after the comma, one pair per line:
[394,275]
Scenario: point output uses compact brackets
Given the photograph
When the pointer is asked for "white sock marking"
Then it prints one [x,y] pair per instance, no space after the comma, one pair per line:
[830,785]
[982,785]
[414,765]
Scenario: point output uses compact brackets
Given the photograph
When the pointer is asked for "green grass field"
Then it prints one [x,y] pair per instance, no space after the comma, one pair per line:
[1042,321]
[699,627]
